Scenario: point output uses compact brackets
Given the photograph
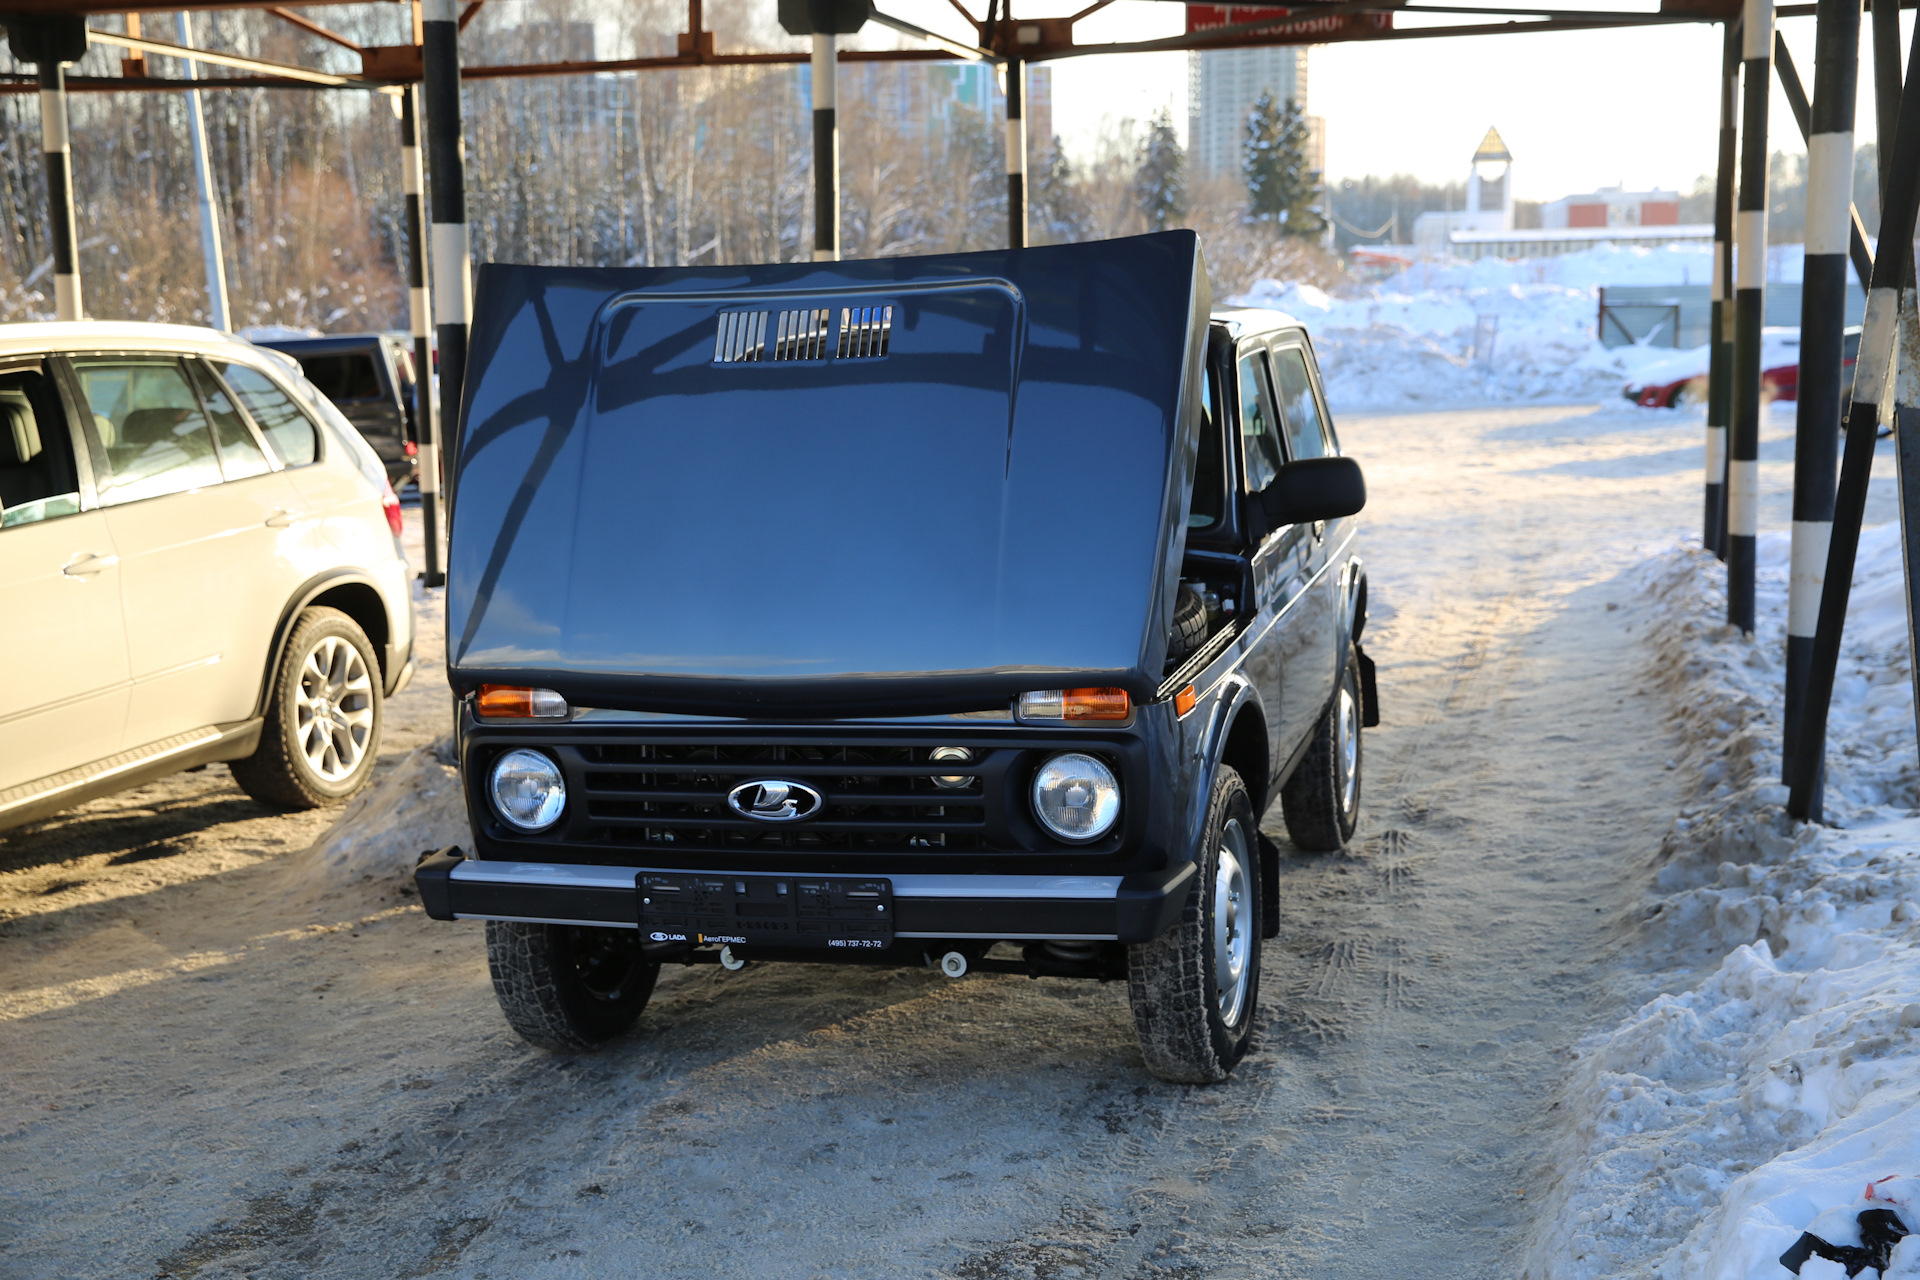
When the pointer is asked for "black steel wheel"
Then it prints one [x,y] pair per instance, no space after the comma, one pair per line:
[567,988]
[1194,989]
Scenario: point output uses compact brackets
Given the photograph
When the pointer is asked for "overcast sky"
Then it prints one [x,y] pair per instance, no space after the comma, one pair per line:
[1579,110]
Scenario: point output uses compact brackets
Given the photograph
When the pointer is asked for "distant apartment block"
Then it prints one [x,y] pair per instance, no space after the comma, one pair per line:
[1223,85]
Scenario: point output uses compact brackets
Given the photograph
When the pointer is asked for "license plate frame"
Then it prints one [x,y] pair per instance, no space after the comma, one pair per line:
[828,913]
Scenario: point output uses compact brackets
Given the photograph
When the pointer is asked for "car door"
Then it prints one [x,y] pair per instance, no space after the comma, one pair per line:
[1320,629]
[208,532]
[63,644]
[1279,557]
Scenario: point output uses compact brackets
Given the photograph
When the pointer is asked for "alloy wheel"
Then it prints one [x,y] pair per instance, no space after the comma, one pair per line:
[333,709]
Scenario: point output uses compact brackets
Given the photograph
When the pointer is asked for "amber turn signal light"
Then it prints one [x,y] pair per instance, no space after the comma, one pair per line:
[510,702]
[1184,701]
[1075,704]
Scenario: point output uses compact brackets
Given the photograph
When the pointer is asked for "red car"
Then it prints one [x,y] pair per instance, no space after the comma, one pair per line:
[1682,378]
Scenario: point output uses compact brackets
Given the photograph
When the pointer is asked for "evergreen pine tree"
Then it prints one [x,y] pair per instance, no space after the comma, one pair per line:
[1280,187]
[1161,181]
[1056,211]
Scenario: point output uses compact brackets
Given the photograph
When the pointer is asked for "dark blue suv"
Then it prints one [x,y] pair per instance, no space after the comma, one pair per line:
[965,611]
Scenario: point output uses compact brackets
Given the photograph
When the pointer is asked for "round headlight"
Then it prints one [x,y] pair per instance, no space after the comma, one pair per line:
[528,790]
[1076,797]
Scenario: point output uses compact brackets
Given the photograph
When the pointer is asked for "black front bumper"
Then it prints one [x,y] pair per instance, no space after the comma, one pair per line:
[1131,908]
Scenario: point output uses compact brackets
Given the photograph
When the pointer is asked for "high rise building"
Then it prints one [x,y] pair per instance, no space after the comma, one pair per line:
[1223,85]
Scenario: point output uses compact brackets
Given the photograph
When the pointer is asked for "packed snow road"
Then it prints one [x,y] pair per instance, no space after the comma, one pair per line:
[224,1060]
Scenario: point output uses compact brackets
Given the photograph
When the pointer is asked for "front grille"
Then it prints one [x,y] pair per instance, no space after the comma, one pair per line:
[874,799]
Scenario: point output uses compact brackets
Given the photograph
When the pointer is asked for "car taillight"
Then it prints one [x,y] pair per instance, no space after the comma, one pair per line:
[390,503]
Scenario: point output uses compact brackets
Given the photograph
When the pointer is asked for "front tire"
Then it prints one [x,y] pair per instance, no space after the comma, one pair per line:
[565,988]
[324,715]
[1194,988]
[1321,801]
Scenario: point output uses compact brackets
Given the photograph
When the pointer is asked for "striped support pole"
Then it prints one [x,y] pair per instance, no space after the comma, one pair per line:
[451,261]
[1823,318]
[1891,270]
[1749,312]
[210,252]
[55,142]
[1016,154]
[826,151]
[425,426]
[1720,336]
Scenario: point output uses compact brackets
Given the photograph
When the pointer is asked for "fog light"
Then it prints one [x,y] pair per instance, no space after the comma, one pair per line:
[953,781]
[527,790]
[1076,797]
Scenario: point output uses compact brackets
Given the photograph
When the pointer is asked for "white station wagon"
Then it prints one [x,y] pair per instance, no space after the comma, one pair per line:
[199,560]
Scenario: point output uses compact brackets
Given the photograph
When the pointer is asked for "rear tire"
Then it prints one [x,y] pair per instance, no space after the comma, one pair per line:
[1321,801]
[565,988]
[325,709]
[1194,988]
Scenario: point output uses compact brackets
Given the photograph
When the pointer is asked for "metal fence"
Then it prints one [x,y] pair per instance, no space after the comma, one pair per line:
[1680,315]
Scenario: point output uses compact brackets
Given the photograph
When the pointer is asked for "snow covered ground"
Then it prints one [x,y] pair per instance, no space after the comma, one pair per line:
[1409,341]
[1774,1094]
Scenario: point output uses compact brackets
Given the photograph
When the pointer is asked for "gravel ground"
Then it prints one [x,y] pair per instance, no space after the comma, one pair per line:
[232,1052]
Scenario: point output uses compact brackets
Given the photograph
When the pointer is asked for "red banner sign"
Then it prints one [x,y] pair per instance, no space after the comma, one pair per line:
[1306,28]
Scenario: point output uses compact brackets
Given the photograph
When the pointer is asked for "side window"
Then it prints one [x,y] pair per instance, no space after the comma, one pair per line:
[1209,468]
[348,376]
[240,453]
[288,430]
[37,476]
[1259,437]
[1307,434]
[148,418]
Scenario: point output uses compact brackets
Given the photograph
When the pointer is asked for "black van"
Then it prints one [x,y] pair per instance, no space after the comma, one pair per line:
[370,378]
[965,611]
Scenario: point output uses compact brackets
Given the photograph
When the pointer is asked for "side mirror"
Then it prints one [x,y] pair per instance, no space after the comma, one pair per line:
[1314,489]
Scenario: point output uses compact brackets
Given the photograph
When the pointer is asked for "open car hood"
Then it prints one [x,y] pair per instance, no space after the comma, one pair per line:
[885,487]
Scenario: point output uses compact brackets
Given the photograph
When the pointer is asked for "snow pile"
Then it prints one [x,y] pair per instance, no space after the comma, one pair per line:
[381,834]
[1712,1128]
[1410,341]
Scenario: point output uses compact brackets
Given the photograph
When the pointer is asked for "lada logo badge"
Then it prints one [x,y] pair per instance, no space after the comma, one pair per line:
[774,801]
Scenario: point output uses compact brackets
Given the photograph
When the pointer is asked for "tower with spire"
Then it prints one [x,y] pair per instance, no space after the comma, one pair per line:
[1489,204]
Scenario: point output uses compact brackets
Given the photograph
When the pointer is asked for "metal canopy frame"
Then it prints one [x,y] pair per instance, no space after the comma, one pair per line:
[999,37]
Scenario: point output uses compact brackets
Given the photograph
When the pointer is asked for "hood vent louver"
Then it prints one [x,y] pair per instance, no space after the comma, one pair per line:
[802,335]
[864,332]
[740,337]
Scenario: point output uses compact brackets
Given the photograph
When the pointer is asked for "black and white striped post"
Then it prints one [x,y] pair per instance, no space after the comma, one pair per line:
[1016,154]
[1823,319]
[1720,352]
[55,141]
[1892,267]
[451,260]
[826,149]
[1749,312]
[426,426]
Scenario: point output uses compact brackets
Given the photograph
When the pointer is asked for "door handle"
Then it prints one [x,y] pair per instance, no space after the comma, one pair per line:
[86,564]
[281,518]
[1319,530]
